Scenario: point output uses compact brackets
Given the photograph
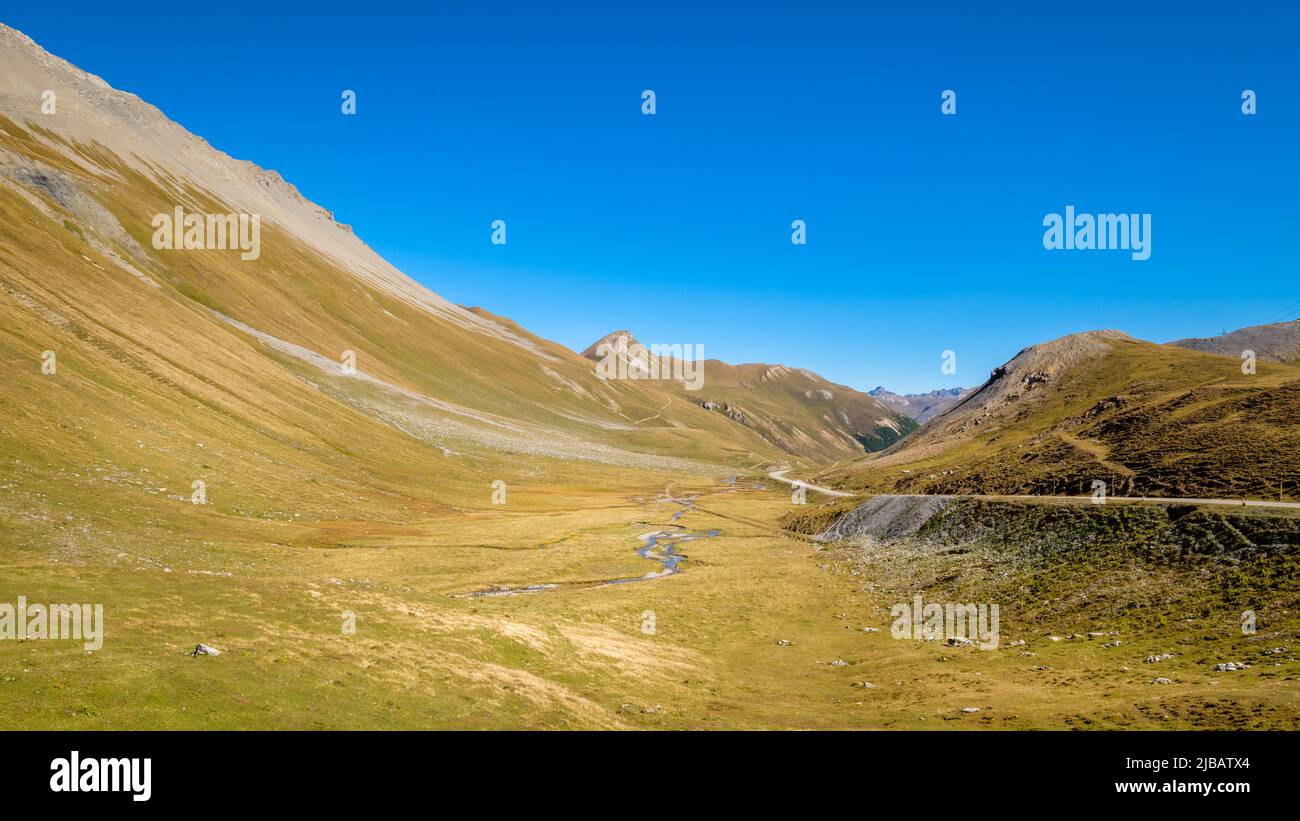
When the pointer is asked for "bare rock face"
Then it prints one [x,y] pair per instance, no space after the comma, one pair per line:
[886,517]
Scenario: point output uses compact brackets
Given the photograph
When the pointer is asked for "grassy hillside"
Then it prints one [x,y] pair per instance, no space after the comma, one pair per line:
[1111,616]
[794,410]
[210,322]
[1146,419]
[800,411]
[467,460]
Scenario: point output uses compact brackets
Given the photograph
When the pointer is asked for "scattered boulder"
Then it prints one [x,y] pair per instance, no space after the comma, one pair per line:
[1104,405]
[1161,681]
[1229,666]
[204,650]
[970,709]
[1159,658]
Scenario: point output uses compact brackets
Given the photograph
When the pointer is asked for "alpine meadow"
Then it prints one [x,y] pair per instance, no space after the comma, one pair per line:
[256,473]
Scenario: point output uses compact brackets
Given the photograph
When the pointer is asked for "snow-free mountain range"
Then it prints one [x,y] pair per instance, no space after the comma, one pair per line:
[246,451]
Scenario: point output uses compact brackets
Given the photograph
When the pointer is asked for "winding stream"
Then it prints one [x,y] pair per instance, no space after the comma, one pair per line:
[657,546]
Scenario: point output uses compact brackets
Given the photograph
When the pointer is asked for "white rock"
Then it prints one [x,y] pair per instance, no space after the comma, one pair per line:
[1229,666]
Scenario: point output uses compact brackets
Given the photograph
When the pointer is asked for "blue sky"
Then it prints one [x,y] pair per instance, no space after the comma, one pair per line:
[924,231]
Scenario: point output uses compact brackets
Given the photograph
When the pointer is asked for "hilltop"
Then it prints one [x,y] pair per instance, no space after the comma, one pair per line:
[1146,419]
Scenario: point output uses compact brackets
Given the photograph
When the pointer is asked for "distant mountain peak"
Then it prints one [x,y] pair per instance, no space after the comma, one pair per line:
[919,406]
[618,340]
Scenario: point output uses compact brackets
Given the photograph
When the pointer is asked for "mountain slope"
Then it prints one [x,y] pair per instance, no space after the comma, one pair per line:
[1279,342]
[1146,419]
[792,409]
[80,189]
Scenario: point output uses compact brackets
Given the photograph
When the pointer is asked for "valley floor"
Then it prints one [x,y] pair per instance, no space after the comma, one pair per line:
[760,629]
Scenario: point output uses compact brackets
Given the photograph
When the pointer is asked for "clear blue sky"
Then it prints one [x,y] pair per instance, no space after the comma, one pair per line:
[924,231]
